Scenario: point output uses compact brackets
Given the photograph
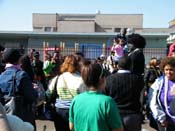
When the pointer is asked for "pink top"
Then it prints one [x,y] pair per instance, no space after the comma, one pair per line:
[118,49]
[171,49]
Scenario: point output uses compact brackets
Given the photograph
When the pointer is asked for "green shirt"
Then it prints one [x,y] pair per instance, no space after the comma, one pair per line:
[93,111]
[47,68]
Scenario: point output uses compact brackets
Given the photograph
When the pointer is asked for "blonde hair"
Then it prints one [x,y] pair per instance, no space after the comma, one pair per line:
[70,64]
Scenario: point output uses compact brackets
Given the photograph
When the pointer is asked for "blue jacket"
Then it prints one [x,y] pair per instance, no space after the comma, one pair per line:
[24,88]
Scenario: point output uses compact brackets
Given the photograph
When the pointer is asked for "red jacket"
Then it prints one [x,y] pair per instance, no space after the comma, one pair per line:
[171,49]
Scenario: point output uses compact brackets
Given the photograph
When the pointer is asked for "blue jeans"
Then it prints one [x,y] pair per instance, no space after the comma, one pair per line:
[61,120]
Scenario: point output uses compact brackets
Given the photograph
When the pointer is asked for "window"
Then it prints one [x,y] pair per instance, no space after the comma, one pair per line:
[47,29]
[117,29]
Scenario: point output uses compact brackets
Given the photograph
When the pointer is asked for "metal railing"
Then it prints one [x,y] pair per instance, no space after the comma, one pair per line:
[93,53]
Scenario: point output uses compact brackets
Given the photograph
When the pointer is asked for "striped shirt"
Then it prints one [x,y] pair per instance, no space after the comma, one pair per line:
[68,86]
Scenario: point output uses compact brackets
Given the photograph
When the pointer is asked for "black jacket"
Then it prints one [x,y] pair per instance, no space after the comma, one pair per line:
[125,89]
[137,61]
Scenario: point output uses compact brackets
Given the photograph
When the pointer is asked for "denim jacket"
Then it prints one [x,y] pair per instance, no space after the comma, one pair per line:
[23,84]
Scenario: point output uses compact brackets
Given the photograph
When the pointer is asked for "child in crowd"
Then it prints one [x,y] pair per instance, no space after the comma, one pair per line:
[117,48]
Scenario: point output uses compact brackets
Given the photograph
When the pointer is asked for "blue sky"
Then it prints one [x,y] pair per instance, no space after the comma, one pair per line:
[16,15]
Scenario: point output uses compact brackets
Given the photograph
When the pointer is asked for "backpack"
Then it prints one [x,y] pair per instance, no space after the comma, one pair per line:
[13,105]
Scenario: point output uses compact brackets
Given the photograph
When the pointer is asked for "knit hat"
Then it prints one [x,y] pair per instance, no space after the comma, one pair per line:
[11,55]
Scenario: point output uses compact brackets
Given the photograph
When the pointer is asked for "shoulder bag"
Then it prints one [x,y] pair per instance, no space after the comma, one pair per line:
[49,106]
[41,92]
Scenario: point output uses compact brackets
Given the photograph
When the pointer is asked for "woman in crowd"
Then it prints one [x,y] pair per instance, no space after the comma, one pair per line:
[27,66]
[162,96]
[23,84]
[91,110]
[152,72]
[136,44]
[68,85]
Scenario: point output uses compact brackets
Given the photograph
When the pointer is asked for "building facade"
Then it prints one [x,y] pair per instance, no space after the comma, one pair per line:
[86,23]
[91,34]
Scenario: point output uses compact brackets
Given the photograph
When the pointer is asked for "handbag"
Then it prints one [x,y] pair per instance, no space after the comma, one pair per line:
[41,92]
[49,106]
[52,95]
[14,104]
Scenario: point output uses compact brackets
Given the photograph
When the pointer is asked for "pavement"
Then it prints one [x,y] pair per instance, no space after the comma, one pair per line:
[46,125]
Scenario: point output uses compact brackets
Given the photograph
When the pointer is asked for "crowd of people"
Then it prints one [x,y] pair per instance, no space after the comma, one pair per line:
[106,94]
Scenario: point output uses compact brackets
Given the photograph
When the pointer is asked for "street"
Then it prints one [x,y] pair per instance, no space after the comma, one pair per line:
[43,125]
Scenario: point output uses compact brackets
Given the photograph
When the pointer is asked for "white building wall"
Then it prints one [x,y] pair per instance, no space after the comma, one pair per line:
[107,20]
[76,26]
[44,20]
